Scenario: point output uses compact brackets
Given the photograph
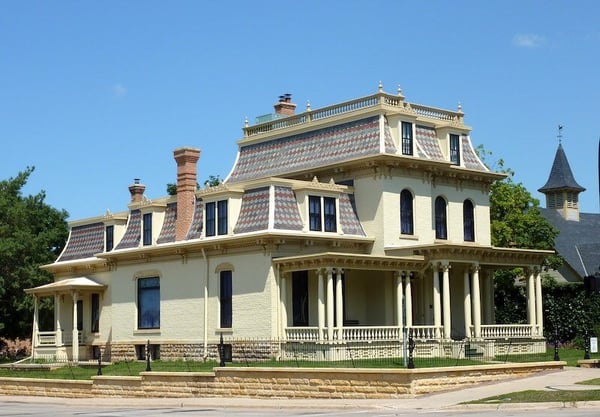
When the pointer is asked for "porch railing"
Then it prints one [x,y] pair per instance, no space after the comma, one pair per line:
[426,332]
[497,331]
[358,333]
[46,339]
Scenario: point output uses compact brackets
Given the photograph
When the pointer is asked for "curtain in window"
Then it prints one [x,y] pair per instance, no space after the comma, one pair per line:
[407,138]
[406,213]
[441,231]
[314,212]
[330,217]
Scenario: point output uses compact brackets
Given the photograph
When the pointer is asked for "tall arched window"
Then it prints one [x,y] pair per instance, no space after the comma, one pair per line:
[468,221]
[441,229]
[406,213]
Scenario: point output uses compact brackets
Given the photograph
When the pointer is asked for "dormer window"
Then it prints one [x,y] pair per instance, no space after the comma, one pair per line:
[110,238]
[455,149]
[322,214]
[407,138]
[216,218]
[147,229]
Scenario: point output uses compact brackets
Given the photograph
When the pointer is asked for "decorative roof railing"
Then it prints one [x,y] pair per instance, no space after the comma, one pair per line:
[379,99]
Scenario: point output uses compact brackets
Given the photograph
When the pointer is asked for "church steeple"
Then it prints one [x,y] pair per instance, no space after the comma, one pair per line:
[561,189]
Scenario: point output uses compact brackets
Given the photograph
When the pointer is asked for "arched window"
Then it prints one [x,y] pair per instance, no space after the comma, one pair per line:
[441,229]
[468,221]
[406,213]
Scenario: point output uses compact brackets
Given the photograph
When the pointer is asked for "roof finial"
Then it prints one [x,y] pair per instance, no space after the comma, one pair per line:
[399,90]
[380,86]
[246,121]
[459,108]
[307,105]
[560,128]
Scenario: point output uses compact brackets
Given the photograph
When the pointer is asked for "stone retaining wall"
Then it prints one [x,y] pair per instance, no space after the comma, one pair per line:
[276,382]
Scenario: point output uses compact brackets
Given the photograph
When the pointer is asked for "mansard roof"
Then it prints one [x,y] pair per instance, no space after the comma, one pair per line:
[561,177]
[84,242]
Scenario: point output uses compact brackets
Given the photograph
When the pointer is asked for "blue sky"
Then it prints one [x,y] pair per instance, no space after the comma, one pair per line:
[97,93]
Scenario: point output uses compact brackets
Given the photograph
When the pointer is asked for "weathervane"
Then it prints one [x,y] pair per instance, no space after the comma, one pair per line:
[560,128]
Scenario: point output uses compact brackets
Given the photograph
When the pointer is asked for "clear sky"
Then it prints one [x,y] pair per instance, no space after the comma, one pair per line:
[97,93]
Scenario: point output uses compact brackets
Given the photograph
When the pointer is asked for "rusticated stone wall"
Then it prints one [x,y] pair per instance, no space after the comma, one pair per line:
[276,382]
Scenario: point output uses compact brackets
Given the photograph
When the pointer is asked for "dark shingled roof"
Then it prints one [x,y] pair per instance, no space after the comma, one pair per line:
[561,177]
[578,242]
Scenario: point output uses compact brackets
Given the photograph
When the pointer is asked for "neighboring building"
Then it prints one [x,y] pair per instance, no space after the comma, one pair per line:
[578,241]
[337,227]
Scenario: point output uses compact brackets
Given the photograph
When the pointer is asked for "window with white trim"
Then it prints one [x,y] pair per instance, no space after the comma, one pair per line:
[322,214]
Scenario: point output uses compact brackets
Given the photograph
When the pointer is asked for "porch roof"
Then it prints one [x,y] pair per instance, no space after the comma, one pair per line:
[350,261]
[65,285]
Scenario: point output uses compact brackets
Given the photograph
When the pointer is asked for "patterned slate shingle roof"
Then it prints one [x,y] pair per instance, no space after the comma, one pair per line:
[84,242]
[311,149]
[287,216]
[133,234]
[195,231]
[348,218]
[428,144]
[470,158]
[254,213]
[167,233]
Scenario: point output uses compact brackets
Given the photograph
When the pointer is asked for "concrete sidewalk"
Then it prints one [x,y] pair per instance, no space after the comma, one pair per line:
[565,379]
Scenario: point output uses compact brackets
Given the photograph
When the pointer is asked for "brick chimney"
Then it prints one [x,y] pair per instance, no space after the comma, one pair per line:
[284,106]
[186,159]
[137,191]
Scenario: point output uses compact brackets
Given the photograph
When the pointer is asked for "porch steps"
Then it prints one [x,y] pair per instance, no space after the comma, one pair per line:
[471,352]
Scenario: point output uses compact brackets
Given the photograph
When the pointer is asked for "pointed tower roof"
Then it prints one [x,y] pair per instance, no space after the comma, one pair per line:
[561,176]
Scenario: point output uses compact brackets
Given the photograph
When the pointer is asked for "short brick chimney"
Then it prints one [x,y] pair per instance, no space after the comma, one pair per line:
[137,191]
[284,106]
[186,159]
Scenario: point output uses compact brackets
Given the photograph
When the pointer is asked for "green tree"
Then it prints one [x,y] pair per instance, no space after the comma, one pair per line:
[212,181]
[32,233]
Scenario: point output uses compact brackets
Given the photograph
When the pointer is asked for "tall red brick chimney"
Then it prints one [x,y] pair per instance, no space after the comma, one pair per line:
[186,159]
[137,191]
[284,106]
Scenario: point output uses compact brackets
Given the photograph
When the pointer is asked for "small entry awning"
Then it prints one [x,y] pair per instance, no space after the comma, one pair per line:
[66,285]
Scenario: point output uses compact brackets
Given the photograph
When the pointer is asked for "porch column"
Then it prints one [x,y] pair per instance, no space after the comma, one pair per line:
[283,304]
[446,304]
[531,301]
[339,306]
[399,295]
[329,304]
[408,297]
[539,303]
[437,313]
[58,325]
[467,303]
[75,344]
[476,302]
[321,309]
[34,335]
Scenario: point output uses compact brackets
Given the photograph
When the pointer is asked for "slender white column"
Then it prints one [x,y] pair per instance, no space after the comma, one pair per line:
[531,299]
[408,297]
[283,304]
[476,302]
[58,324]
[467,303]
[321,309]
[34,336]
[437,312]
[75,343]
[446,304]
[329,304]
[339,306]
[399,295]
[539,303]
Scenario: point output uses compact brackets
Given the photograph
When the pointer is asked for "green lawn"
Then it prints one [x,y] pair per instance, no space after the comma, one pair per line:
[541,396]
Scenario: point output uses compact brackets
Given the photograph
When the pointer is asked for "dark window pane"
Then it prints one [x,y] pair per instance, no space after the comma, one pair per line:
[407,138]
[441,231]
[95,313]
[222,220]
[455,149]
[406,213]
[314,213]
[225,299]
[210,219]
[80,315]
[300,298]
[110,238]
[147,229]
[329,214]
[149,303]
[468,221]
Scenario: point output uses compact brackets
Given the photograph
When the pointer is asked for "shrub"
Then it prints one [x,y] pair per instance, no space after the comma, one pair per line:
[11,350]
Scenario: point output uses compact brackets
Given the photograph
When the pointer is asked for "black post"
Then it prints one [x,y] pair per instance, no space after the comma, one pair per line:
[148,368]
[411,348]
[99,362]
[221,352]
[556,358]
[586,343]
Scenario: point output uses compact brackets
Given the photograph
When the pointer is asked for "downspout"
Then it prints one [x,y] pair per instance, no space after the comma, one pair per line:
[205,306]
